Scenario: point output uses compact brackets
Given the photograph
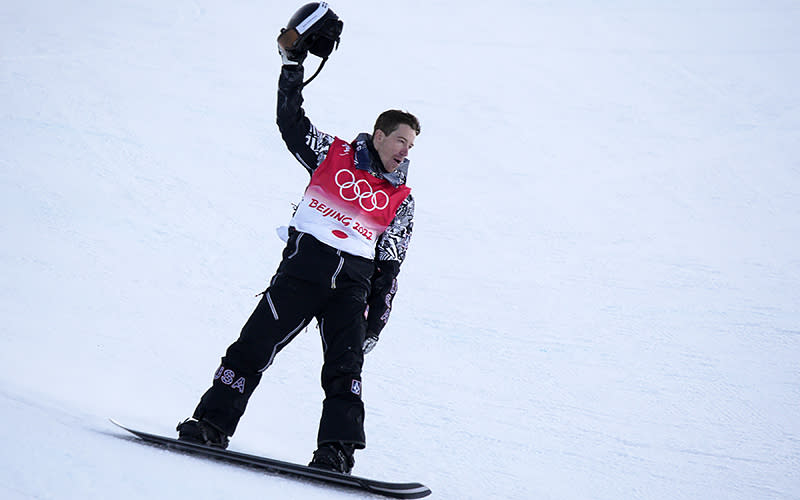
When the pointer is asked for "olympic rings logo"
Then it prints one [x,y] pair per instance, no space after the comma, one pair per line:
[352,190]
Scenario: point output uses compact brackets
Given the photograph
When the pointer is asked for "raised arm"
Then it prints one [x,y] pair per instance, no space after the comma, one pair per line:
[308,145]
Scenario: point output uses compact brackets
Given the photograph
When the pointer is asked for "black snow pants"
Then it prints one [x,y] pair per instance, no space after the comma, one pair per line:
[285,309]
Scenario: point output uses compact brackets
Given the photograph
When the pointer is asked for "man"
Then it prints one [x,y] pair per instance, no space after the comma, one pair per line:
[346,242]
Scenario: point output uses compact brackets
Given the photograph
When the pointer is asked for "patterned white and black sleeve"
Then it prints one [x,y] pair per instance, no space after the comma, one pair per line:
[393,243]
[391,251]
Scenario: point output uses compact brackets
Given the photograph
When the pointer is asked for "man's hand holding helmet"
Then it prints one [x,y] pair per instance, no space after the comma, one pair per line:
[313,28]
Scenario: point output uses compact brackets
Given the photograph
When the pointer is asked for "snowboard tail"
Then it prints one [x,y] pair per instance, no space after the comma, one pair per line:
[388,489]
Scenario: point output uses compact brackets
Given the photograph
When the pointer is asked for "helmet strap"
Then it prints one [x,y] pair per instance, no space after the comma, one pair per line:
[321,64]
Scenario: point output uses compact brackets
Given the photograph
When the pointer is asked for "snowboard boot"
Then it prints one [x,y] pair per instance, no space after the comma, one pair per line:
[201,432]
[336,457]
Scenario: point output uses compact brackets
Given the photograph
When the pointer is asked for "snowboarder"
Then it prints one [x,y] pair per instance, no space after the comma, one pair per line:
[346,242]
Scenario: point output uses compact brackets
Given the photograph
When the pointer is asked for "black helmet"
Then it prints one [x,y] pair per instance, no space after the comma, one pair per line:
[314,28]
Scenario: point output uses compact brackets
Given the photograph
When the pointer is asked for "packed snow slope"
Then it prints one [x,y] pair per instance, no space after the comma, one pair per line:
[600,300]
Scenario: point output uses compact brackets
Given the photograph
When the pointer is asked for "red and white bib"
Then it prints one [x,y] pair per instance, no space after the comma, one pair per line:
[345,207]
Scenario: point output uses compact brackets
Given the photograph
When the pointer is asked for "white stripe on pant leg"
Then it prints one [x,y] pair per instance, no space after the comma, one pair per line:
[322,335]
[272,307]
[283,342]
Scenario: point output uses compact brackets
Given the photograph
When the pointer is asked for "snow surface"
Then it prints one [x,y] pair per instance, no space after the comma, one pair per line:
[601,296]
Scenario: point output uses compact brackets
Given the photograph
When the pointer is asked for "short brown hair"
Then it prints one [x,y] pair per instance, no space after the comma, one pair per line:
[388,121]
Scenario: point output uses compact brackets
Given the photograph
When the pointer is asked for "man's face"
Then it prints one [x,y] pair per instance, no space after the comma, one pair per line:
[393,148]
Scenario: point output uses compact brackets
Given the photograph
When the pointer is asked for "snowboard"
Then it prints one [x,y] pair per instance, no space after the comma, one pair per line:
[392,490]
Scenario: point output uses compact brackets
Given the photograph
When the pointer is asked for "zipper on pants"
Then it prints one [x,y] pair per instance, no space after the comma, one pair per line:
[296,246]
[338,269]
